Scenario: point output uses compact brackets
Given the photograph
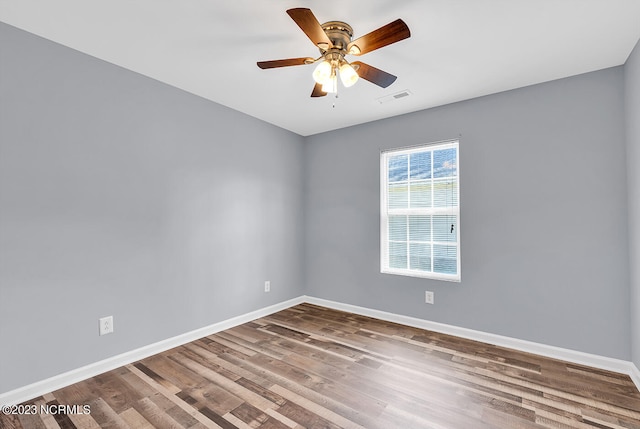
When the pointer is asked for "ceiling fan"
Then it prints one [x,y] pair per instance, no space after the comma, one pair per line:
[333,38]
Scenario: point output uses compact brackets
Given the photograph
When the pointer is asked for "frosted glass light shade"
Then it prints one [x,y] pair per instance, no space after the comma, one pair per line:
[348,75]
[322,73]
[330,85]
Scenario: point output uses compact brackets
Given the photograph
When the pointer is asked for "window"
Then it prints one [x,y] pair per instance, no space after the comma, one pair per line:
[420,212]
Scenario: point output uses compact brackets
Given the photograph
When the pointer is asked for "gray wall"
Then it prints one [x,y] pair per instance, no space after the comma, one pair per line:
[543,222]
[123,196]
[632,110]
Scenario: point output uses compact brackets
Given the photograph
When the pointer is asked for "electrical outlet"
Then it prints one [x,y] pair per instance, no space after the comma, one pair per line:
[106,325]
[267,286]
[428,297]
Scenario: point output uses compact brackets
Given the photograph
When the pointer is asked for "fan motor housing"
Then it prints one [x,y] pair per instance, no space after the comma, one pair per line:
[340,34]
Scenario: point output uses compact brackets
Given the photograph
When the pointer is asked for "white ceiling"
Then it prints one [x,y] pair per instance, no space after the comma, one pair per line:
[459,49]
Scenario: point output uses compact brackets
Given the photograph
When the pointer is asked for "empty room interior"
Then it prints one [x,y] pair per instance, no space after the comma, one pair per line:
[320,214]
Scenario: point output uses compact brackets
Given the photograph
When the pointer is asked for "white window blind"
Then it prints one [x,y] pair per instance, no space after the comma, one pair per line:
[420,211]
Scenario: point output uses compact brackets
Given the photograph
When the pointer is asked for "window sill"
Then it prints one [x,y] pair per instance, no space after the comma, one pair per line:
[423,275]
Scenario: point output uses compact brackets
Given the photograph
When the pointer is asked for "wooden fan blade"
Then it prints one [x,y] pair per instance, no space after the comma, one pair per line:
[284,63]
[317,91]
[374,75]
[308,23]
[383,36]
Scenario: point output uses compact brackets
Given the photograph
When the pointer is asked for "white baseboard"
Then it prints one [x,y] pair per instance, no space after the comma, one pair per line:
[595,361]
[62,380]
[635,375]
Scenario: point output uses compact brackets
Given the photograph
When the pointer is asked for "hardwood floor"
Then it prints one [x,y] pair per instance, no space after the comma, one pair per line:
[312,367]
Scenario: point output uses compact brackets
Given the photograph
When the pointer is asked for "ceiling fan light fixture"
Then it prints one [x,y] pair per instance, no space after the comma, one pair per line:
[348,75]
[322,73]
[334,39]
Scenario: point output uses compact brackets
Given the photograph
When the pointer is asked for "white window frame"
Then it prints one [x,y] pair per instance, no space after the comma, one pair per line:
[385,212]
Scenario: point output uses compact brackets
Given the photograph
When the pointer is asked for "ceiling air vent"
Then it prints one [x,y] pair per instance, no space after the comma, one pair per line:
[393,97]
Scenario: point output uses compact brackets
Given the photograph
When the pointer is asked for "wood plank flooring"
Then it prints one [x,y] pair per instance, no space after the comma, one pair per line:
[313,367]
